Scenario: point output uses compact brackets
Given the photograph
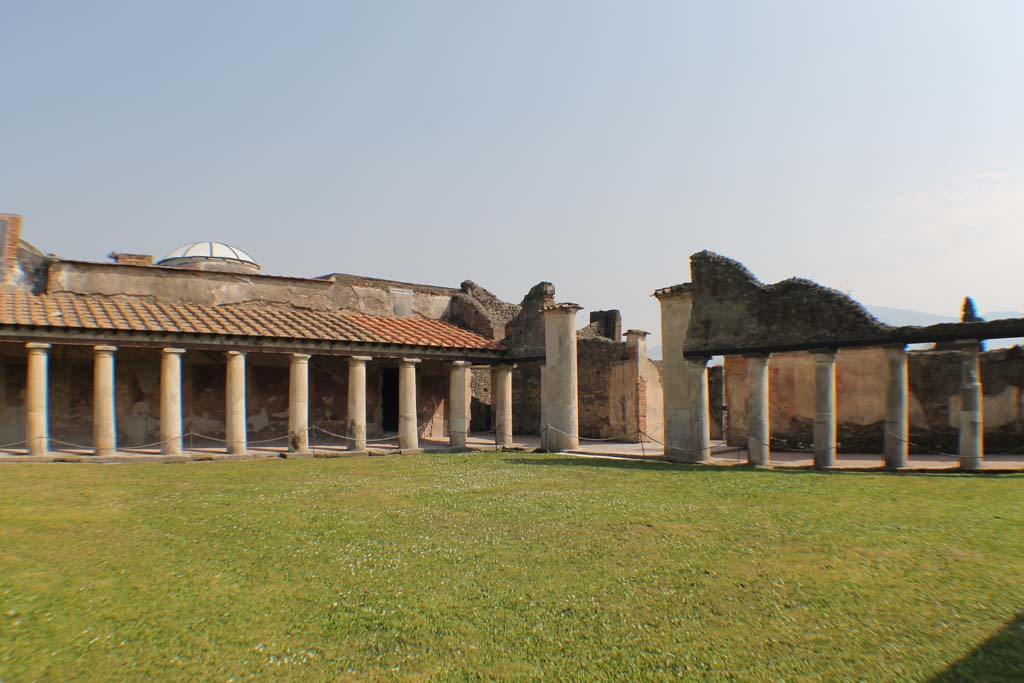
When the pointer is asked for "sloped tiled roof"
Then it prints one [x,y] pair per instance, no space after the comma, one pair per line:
[279,321]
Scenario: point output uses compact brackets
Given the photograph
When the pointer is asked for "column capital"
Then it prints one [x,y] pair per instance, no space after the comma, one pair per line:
[359,360]
[235,353]
[697,360]
[104,349]
[566,308]
[505,366]
[176,352]
[408,361]
[461,363]
[37,346]
[300,357]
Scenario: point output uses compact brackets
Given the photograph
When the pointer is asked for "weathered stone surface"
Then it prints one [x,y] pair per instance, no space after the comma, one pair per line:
[733,310]
[525,333]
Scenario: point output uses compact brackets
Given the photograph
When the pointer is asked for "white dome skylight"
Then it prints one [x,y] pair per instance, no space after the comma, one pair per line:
[208,250]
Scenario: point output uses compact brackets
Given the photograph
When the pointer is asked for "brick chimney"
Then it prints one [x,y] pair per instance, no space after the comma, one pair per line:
[130,259]
[10,226]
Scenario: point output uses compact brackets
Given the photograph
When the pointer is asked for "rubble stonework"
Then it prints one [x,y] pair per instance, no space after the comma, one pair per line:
[732,309]
[781,344]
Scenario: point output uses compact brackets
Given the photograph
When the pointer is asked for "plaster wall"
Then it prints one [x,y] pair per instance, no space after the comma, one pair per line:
[172,285]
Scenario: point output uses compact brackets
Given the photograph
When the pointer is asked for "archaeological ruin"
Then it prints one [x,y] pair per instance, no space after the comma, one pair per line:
[201,349]
[808,367]
[201,352]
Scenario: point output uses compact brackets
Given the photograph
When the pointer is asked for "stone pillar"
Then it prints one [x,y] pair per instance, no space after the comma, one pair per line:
[37,430]
[676,303]
[972,423]
[501,402]
[696,415]
[897,428]
[104,426]
[408,428]
[561,382]
[636,388]
[170,401]
[758,410]
[298,404]
[825,408]
[458,404]
[355,421]
[543,407]
[234,423]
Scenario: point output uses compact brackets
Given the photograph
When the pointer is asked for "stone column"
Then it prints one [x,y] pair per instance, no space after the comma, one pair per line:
[972,423]
[170,401]
[458,404]
[636,388]
[696,415]
[408,428]
[561,381]
[676,303]
[104,427]
[544,407]
[758,410]
[355,421]
[825,408]
[234,423]
[298,404]
[37,431]
[897,428]
[501,401]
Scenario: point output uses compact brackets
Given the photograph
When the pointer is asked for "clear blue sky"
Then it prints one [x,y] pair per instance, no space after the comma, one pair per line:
[877,147]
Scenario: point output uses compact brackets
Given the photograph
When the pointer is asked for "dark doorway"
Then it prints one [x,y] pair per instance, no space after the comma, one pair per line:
[389,399]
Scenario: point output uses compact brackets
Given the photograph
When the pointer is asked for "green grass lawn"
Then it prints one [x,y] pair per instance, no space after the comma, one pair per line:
[506,566]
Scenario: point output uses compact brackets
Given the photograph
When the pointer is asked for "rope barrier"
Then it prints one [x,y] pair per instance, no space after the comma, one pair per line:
[920,448]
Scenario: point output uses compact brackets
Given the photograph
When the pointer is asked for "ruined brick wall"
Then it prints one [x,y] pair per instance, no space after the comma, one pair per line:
[478,309]
[596,358]
[525,333]
[526,398]
[732,309]
[481,414]
[861,377]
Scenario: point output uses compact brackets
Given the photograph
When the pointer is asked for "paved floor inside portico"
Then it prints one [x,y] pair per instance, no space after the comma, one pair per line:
[721,454]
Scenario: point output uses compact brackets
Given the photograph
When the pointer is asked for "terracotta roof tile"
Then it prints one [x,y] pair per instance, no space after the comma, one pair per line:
[79,311]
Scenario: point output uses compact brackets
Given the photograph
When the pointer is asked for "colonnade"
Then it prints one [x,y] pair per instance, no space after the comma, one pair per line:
[236,442]
[693,441]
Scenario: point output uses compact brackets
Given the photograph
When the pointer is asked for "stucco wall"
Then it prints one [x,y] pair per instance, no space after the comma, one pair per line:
[374,297]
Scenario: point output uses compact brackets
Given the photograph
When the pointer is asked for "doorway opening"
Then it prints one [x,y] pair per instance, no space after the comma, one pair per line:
[389,399]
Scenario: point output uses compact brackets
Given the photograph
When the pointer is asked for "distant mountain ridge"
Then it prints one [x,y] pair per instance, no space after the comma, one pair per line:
[905,316]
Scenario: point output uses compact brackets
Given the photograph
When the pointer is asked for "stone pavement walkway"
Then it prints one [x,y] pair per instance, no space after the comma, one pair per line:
[721,454]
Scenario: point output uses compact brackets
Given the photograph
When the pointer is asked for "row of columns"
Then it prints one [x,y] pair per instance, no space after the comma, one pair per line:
[897,422]
[104,417]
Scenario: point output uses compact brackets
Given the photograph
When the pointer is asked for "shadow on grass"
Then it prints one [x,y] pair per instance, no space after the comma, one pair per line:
[556,460]
[997,660]
[620,463]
